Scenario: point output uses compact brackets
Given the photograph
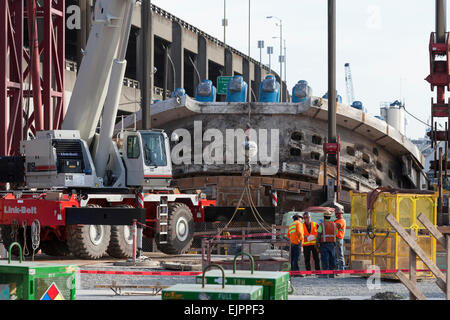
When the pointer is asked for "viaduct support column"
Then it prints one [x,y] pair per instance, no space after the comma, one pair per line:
[202,58]
[258,75]
[177,56]
[228,62]
[246,75]
[146,53]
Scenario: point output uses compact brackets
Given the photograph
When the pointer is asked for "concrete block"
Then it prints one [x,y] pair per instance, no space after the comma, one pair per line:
[361,264]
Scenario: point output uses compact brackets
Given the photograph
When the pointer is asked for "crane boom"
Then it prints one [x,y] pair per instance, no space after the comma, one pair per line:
[111,107]
[89,93]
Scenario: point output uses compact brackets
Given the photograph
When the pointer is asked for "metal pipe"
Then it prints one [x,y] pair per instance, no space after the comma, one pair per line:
[225,23]
[134,239]
[249,98]
[441,202]
[338,175]
[146,44]
[249,27]
[34,62]
[281,61]
[446,150]
[166,72]
[441,20]
[331,71]
[140,231]
[285,72]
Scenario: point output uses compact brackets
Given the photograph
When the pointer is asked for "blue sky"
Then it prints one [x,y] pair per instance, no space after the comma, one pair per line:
[385,42]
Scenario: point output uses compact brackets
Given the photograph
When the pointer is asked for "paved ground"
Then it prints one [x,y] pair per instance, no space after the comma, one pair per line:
[305,288]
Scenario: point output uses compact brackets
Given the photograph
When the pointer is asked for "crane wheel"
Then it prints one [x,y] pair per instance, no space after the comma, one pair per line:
[180,230]
[88,241]
[121,243]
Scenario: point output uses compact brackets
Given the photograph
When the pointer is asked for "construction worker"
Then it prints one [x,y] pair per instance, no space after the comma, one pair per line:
[326,234]
[309,242]
[340,224]
[295,235]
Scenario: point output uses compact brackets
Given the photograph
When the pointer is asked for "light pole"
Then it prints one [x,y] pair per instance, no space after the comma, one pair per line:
[249,27]
[269,52]
[285,71]
[225,23]
[260,47]
[283,59]
[281,53]
[249,48]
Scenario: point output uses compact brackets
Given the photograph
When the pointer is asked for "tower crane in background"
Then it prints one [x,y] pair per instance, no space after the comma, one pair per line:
[349,84]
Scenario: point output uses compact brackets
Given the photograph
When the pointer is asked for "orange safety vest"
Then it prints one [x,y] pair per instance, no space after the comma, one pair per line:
[328,232]
[295,232]
[311,235]
[341,230]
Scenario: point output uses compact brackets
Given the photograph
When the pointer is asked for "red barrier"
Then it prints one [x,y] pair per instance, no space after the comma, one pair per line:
[140,273]
[184,274]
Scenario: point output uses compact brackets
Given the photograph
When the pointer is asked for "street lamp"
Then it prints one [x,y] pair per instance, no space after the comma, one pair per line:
[281,52]
[270,52]
[260,47]
[285,72]
[283,59]
[224,22]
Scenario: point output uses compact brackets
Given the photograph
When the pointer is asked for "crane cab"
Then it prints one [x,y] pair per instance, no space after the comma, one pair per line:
[146,155]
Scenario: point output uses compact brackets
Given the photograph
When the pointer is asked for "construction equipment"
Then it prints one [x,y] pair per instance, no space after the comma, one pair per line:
[374,242]
[82,190]
[212,292]
[349,84]
[37,281]
[275,284]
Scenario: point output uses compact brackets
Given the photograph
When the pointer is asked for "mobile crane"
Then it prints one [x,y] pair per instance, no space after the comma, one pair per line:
[81,191]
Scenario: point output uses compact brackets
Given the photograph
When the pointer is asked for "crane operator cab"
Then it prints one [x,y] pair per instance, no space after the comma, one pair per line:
[60,159]
[146,156]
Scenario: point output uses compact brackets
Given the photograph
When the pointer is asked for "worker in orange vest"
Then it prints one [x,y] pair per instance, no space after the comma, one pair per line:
[326,234]
[295,235]
[309,242]
[340,224]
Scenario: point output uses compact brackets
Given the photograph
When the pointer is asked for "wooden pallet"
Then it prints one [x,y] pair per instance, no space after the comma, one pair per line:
[117,289]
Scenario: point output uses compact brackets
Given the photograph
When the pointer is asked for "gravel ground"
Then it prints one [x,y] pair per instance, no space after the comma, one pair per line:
[305,288]
[358,286]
